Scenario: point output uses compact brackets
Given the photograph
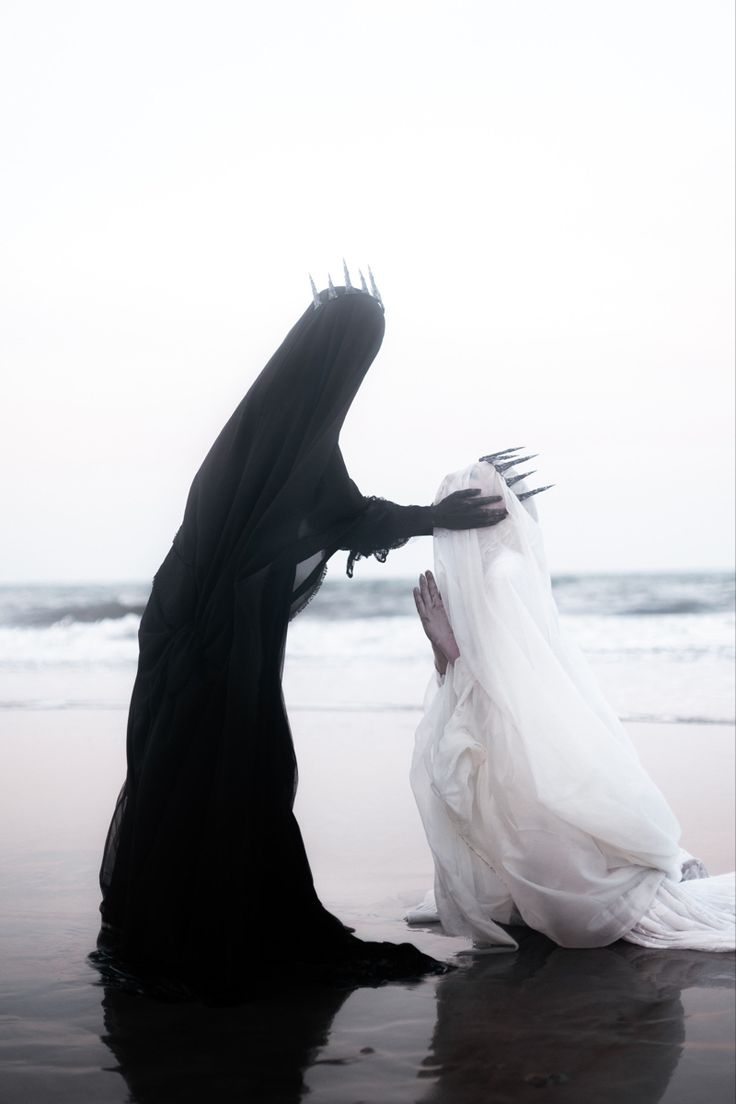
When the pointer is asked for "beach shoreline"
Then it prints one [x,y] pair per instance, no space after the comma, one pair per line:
[434,1040]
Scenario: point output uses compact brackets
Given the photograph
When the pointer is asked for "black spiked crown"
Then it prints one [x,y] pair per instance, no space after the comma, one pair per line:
[504,461]
[349,289]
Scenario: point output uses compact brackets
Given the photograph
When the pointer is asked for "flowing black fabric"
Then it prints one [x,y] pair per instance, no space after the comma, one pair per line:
[204,865]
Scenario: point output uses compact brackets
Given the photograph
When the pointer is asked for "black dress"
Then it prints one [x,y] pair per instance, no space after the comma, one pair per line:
[204,869]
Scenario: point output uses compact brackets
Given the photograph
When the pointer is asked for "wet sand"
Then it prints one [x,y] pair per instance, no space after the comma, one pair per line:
[541,1024]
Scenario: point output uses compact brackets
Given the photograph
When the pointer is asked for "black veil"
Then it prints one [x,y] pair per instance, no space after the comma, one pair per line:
[204,865]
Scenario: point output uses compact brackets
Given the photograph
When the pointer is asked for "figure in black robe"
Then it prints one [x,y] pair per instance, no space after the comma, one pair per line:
[204,875]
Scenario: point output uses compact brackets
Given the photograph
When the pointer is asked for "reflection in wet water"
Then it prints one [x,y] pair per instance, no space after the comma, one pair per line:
[188,1052]
[595,1025]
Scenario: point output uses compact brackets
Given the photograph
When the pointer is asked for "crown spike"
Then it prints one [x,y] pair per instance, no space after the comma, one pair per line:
[504,452]
[346,273]
[501,468]
[331,293]
[363,284]
[374,290]
[516,478]
[536,491]
[317,302]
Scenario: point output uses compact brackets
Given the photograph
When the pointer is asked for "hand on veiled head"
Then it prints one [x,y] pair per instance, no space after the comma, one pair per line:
[467,509]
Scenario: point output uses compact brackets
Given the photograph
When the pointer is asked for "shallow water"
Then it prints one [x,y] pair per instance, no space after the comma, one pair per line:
[607,1025]
[614,1024]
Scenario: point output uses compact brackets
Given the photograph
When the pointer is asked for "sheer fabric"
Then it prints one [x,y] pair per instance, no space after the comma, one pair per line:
[533,799]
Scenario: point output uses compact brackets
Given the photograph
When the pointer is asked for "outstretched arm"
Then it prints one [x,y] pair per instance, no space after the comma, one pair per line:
[385,525]
[435,622]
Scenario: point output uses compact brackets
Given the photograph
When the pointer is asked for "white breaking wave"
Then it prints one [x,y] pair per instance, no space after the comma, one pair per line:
[682,639]
[71,643]
[673,667]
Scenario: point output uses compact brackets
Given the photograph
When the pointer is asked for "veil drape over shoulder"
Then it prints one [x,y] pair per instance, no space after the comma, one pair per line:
[533,798]
[204,856]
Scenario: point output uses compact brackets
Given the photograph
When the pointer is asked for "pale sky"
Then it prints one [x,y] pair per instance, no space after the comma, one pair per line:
[544,190]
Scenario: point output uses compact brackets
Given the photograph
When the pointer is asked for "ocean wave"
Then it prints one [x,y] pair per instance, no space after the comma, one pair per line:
[600,595]
[610,596]
[639,595]
[662,647]
[71,643]
[658,608]
[43,617]
[680,639]
[45,606]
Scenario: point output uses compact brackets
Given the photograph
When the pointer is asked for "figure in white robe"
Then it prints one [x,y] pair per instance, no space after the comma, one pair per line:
[535,804]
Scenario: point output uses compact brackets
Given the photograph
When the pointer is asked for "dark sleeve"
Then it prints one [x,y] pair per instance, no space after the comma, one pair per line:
[382,526]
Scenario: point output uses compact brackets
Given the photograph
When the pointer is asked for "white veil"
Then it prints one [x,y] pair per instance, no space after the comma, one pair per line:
[530,790]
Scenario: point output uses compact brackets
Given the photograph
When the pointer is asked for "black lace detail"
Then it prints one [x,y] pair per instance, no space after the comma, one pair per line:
[381,554]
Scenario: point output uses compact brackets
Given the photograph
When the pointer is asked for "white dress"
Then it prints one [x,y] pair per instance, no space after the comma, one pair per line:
[534,801]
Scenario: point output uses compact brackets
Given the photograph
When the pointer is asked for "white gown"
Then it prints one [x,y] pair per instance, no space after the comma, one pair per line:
[535,804]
